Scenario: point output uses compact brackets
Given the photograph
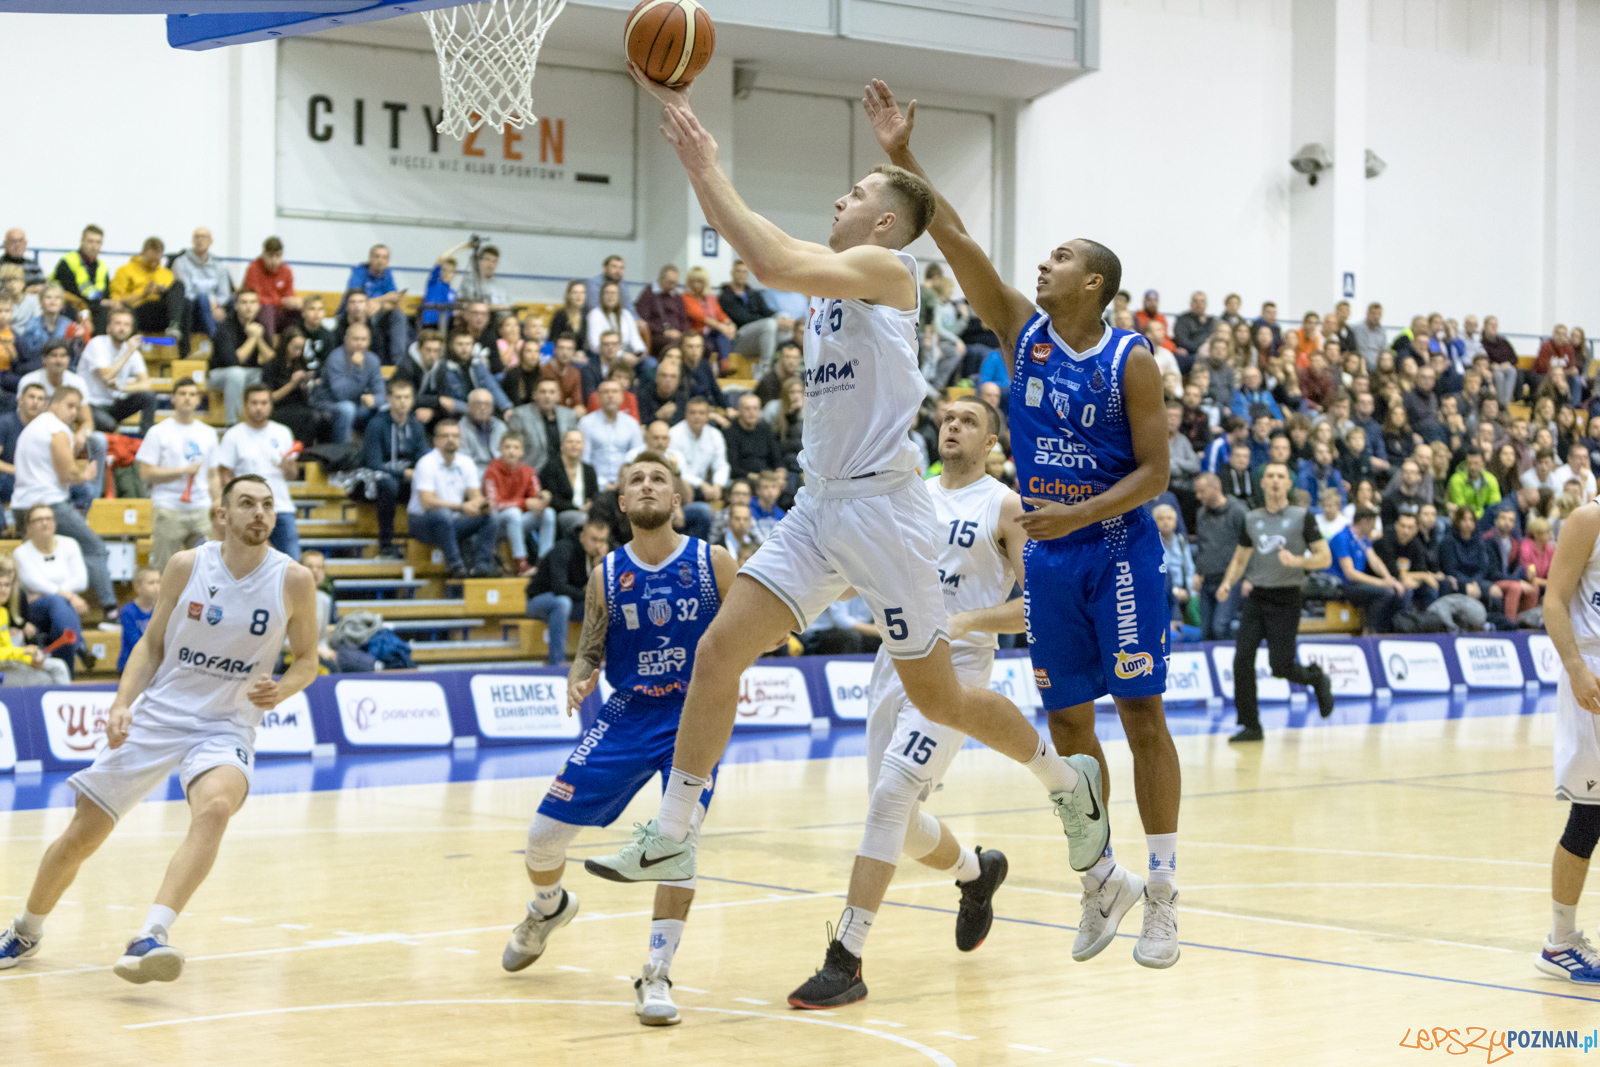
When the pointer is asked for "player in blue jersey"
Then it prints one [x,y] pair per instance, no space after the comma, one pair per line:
[646,607]
[1089,436]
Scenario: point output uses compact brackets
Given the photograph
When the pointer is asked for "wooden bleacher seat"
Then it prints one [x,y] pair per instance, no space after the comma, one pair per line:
[495,596]
[105,646]
[1338,618]
[189,368]
[120,517]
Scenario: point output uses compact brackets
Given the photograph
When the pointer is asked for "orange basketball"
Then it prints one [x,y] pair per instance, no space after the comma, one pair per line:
[670,40]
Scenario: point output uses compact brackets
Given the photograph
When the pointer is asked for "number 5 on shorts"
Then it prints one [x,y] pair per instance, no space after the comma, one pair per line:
[898,630]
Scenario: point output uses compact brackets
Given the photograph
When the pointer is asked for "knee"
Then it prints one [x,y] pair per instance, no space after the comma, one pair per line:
[1582,830]
[561,610]
[1145,722]
[212,812]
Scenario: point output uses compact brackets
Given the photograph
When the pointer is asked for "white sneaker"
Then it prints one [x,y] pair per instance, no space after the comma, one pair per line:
[1158,942]
[652,997]
[529,937]
[1103,909]
[16,946]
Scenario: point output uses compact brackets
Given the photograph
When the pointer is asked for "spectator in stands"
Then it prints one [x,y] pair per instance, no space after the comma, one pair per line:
[146,285]
[704,450]
[48,565]
[1578,467]
[1300,343]
[664,396]
[752,446]
[27,664]
[572,483]
[536,336]
[943,350]
[52,376]
[519,505]
[1318,382]
[1182,581]
[30,402]
[764,509]
[1183,463]
[756,333]
[135,614]
[1538,549]
[353,380]
[705,313]
[1319,473]
[740,535]
[322,336]
[1502,360]
[393,443]
[1366,580]
[571,316]
[16,252]
[1330,516]
[1516,591]
[542,424]
[845,627]
[52,323]
[480,286]
[622,374]
[374,280]
[447,511]
[206,289]
[84,278]
[522,373]
[114,371]
[790,360]
[1235,434]
[267,449]
[612,316]
[609,434]
[478,321]
[1471,563]
[1473,487]
[661,308]
[1218,522]
[290,378]
[610,271]
[1422,405]
[1543,473]
[1237,478]
[1194,327]
[564,372]
[1150,312]
[178,461]
[445,385]
[46,470]
[24,305]
[561,582]
[1405,556]
[439,298]
[788,426]
[238,351]
[700,377]
[481,431]
[1253,394]
[1269,319]
[272,280]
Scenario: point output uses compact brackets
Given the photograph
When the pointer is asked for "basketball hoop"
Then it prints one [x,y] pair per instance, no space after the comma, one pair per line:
[487,55]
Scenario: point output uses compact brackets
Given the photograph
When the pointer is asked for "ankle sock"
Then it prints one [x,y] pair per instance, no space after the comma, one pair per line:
[158,917]
[854,926]
[1056,773]
[1163,858]
[678,803]
[664,937]
[547,899]
[965,868]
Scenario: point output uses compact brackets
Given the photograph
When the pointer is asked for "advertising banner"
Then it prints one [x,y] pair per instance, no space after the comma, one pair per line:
[1489,662]
[1268,688]
[1345,663]
[393,713]
[1414,666]
[773,696]
[530,706]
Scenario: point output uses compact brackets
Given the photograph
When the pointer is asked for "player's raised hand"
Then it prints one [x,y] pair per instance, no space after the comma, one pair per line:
[1049,520]
[667,94]
[889,126]
[263,693]
[118,719]
[577,691]
[683,131]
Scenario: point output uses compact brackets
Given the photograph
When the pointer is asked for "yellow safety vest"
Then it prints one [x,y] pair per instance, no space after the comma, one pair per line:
[89,289]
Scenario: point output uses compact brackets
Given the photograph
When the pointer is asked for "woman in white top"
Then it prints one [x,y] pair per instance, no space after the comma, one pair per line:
[1331,519]
[47,564]
[1364,496]
[611,314]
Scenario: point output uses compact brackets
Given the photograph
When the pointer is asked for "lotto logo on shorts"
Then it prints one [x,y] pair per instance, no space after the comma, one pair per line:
[195,609]
[1041,678]
[1041,352]
[560,790]
[1134,665]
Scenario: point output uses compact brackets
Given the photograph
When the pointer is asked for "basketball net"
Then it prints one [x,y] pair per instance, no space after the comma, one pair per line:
[487,55]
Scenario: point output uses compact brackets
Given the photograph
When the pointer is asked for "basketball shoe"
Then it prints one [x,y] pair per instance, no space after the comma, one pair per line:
[1575,959]
[1321,685]
[976,914]
[1158,942]
[652,997]
[838,982]
[530,935]
[1103,909]
[149,959]
[650,857]
[1082,815]
[15,947]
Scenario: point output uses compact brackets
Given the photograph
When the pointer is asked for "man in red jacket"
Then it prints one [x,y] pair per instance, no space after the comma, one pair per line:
[519,507]
[273,281]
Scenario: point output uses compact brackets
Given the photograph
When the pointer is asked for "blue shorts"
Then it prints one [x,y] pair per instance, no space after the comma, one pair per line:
[1097,615]
[630,742]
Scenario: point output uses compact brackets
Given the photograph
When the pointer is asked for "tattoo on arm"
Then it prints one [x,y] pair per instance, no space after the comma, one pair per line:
[592,642]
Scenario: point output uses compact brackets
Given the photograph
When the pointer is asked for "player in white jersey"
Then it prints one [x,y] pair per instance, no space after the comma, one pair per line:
[190,698]
[1572,618]
[980,555]
[864,518]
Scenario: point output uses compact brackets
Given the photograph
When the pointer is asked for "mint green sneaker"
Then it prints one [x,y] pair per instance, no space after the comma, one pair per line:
[651,857]
[1082,814]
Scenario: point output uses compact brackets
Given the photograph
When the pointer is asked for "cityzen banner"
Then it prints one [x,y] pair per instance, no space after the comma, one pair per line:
[523,706]
[357,142]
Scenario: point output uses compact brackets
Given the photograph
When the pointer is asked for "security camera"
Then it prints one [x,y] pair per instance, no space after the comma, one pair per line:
[1374,164]
[1310,161]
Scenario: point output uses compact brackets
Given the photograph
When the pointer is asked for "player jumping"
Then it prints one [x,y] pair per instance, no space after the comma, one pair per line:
[864,518]
[190,698]
[646,607]
[1089,434]
[980,553]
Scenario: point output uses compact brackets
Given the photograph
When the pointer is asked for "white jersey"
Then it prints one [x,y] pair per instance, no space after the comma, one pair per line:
[974,570]
[224,633]
[1577,734]
[863,387]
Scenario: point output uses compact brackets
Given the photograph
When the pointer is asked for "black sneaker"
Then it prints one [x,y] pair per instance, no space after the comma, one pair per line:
[1247,733]
[977,900]
[838,982]
[1322,685]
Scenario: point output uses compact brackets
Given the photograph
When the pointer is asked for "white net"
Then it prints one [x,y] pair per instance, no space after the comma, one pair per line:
[487,55]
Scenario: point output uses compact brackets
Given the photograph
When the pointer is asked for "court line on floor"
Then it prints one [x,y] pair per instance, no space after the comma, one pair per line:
[932,1054]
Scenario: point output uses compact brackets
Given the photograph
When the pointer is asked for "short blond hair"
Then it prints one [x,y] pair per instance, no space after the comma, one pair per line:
[912,196]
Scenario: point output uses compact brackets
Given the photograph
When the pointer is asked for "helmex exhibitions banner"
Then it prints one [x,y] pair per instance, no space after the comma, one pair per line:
[357,141]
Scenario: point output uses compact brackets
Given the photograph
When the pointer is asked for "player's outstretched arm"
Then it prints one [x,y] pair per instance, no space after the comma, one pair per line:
[146,655]
[585,672]
[1573,549]
[1147,422]
[1003,309]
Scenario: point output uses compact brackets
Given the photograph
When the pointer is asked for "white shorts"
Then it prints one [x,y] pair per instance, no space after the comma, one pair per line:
[1577,742]
[120,778]
[882,544]
[895,728]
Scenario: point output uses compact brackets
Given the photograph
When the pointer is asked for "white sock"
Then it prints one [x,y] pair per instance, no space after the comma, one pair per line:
[1563,921]
[678,803]
[1056,773]
[854,926]
[158,916]
[1163,858]
[1096,876]
[965,869]
[547,899]
[664,937]
[28,924]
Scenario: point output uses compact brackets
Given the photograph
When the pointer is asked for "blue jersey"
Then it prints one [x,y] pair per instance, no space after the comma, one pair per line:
[1069,426]
[656,618]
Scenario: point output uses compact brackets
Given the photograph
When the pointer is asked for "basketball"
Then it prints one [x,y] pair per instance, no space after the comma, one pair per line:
[670,40]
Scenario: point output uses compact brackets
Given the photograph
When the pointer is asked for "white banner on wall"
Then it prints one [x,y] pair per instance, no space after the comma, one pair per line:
[1345,664]
[286,729]
[848,683]
[1546,661]
[393,713]
[8,743]
[1489,662]
[75,722]
[1414,666]
[1267,686]
[356,141]
[523,706]
[1188,677]
[774,696]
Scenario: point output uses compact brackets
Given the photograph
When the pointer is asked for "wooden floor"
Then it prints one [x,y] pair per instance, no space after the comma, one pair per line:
[1341,887]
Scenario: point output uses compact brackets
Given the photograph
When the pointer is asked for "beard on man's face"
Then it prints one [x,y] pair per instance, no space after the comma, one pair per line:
[648,518]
